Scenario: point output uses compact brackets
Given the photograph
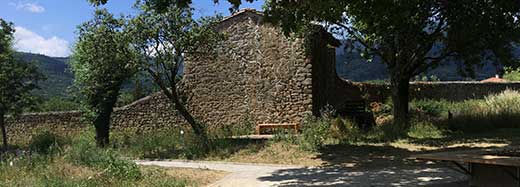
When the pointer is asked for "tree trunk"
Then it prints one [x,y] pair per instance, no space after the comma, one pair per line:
[400,84]
[102,121]
[4,131]
[198,129]
[102,125]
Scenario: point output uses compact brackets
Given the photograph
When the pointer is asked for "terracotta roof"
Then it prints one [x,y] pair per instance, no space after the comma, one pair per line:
[494,79]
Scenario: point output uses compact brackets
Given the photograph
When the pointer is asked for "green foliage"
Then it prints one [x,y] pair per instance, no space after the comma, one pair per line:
[83,151]
[55,69]
[17,79]
[162,5]
[317,132]
[410,37]
[512,74]
[101,62]
[70,166]
[156,145]
[46,143]
[56,104]
[431,107]
[162,38]
[495,111]
[426,130]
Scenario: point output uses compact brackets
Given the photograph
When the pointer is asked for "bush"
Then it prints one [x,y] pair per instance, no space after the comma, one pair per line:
[423,129]
[156,145]
[46,143]
[314,133]
[512,74]
[317,132]
[57,104]
[83,151]
[431,107]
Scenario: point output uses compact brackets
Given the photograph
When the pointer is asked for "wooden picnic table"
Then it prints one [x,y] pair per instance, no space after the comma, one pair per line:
[485,167]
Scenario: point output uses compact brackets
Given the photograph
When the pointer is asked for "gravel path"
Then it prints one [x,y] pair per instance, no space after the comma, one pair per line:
[257,175]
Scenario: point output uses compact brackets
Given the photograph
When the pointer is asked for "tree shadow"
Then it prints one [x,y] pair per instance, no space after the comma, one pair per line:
[391,176]
[386,165]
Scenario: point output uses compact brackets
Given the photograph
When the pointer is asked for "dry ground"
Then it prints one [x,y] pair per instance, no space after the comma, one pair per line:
[368,155]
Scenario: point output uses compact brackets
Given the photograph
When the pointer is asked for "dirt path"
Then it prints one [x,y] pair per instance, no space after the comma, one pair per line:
[256,175]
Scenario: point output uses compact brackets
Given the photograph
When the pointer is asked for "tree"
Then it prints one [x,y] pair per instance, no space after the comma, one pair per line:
[17,79]
[161,39]
[101,62]
[411,36]
[162,5]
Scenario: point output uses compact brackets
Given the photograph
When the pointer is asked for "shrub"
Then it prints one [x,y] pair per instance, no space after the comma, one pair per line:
[424,129]
[83,151]
[45,143]
[156,145]
[316,132]
[57,104]
[512,74]
[431,107]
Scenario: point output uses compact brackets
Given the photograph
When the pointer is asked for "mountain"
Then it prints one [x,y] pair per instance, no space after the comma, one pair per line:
[348,65]
[351,66]
[56,70]
[60,78]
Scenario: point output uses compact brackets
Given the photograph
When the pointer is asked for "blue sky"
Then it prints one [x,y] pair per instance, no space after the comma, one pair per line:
[48,26]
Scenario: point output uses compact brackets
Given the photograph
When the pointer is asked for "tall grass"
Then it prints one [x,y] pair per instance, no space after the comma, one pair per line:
[500,110]
[51,160]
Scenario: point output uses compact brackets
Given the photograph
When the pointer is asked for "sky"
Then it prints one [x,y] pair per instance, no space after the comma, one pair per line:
[48,27]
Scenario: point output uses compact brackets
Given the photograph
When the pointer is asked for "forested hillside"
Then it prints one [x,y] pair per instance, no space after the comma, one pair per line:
[351,66]
[55,69]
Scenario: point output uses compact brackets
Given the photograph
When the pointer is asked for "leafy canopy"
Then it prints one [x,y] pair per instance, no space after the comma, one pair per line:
[162,39]
[17,79]
[100,61]
[162,5]
[413,35]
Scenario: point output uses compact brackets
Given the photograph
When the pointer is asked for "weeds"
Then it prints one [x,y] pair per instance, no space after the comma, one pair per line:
[495,111]
[84,152]
[46,143]
[54,161]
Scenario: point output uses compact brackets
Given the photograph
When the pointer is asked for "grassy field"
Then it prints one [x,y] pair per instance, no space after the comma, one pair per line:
[50,160]
[473,124]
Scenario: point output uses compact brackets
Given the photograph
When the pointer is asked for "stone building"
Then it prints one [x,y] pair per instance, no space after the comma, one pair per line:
[260,75]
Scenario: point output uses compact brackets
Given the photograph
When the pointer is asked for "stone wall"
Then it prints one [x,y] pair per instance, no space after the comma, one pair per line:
[152,113]
[21,129]
[258,75]
[451,91]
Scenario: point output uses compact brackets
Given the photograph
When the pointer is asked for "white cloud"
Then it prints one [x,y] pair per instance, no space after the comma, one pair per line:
[28,41]
[31,7]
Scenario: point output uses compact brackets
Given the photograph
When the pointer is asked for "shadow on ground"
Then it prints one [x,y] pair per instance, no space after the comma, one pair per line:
[392,176]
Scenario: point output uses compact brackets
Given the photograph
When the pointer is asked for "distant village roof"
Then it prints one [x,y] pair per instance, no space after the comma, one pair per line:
[496,78]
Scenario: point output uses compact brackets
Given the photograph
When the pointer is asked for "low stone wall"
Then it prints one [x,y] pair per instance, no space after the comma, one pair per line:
[21,129]
[451,91]
[152,113]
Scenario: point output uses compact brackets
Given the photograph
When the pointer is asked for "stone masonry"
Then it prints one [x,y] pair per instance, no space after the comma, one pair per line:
[258,74]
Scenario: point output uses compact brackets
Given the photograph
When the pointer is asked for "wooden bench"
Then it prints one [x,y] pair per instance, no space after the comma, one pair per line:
[261,127]
[353,107]
[357,111]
